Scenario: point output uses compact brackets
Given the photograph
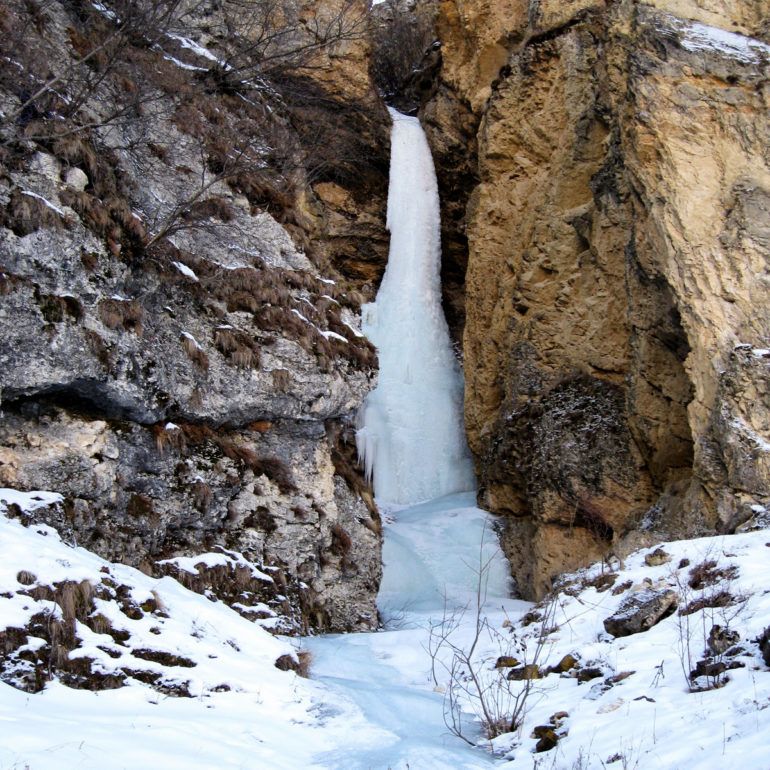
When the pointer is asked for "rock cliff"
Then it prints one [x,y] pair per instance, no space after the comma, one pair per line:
[616,203]
[192,208]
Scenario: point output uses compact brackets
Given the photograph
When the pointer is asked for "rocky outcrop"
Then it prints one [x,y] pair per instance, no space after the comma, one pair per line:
[641,611]
[617,243]
[180,355]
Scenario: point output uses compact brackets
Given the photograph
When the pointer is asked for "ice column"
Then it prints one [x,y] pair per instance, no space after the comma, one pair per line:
[411,436]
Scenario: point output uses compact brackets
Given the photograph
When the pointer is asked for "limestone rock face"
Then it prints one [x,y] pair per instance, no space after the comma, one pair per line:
[179,346]
[617,281]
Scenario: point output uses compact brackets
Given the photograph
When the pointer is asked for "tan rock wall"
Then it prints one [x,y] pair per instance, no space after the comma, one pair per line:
[618,251]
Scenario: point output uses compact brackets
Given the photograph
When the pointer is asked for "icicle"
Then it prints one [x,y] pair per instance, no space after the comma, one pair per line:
[411,437]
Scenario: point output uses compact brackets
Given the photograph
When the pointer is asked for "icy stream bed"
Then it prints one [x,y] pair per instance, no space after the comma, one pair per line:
[432,554]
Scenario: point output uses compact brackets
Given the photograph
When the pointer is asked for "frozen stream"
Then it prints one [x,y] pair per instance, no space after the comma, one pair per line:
[431,551]
[412,441]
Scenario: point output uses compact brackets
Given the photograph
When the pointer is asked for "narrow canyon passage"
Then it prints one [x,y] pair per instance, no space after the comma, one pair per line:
[431,556]
[435,553]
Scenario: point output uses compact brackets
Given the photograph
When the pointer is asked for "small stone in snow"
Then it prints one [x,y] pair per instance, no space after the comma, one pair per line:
[641,611]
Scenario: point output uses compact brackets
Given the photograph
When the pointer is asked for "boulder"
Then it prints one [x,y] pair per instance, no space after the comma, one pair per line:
[641,611]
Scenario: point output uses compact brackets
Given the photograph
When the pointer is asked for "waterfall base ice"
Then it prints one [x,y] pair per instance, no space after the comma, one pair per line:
[431,554]
[411,435]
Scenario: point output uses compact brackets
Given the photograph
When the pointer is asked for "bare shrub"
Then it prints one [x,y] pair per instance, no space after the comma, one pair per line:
[265,38]
[99,43]
[707,573]
[399,46]
[709,604]
[474,682]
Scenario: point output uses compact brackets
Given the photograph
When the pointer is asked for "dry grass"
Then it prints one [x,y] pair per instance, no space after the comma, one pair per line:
[56,309]
[721,598]
[202,495]
[195,352]
[121,314]
[169,438]
[281,379]
[305,658]
[25,214]
[273,467]
[707,573]
[99,623]
[211,208]
[341,541]
[237,347]
[98,347]
[9,282]
[26,578]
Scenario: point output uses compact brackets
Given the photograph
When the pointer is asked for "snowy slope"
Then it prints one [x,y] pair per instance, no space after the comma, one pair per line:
[643,710]
[205,691]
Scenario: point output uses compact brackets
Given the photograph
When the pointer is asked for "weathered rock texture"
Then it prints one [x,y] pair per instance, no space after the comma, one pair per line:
[178,346]
[617,281]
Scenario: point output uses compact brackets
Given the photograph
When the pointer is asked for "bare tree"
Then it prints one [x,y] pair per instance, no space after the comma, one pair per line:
[54,86]
[401,42]
[264,39]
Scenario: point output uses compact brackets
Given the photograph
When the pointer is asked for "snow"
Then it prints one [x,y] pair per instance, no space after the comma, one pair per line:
[192,339]
[356,332]
[379,700]
[755,438]
[27,501]
[648,718]
[410,435]
[701,37]
[375,702]
[48,203]
[104,11]
[219,559]
[268,718]
[327,334]
[184,65]
[196,48]
[431,552]
[186,271]
[651,717]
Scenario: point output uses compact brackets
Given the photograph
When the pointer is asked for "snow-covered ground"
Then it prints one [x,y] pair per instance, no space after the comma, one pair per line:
[644,710]
[432,556]
[227,706]
[379,700]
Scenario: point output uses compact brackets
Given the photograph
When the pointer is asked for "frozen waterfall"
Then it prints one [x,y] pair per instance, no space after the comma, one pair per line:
[411,435]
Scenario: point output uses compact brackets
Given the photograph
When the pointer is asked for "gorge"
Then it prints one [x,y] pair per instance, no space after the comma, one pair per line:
[199,334]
